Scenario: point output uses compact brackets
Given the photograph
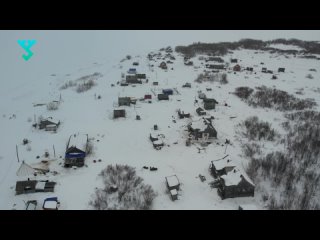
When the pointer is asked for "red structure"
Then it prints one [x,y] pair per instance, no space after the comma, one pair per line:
[237,68]
[148,96]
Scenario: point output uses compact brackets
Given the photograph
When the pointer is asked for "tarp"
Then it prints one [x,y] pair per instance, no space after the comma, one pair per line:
[25,170]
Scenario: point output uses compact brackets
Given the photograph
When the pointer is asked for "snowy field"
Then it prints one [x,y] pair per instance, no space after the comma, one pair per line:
[126,140]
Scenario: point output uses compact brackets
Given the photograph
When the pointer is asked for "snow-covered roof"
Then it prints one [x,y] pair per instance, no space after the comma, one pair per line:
[40,185]
[198,124]
[50,205]
[232,178]
[172,181]
[25,170]
[79,141]
[157,142]
[220,164]
[153,135]
[53,120]
[173,192]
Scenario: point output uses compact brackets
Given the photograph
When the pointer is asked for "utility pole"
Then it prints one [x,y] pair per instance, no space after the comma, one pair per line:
[17,153]
[54,151]
[225,149]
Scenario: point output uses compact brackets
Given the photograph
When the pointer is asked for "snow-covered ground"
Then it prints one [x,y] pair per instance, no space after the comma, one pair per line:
[126,140]
[285,47]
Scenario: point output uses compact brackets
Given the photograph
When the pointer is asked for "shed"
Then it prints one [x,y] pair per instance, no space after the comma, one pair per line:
[264,70]
[216,59]
[158,144]
[237,68]
[135,64]
[234,60]
[281,70]
[202,95]
[163,97]
[117,113]
[173,182]
[249,69]
[188,85]
[215,66]
[33,186]
[50,204]
[155,83]
[153,137]
[188,63]
[163,65]
[209,103]
[132,71]
[49,124]
[167,91]
[133,79]
[147,96]
[141,76]
[200,111]
[183,115]
[124,101]
[124,83]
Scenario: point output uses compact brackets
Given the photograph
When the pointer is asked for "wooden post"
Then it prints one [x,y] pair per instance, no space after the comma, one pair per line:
[54,151]
[17,153]
[225,148]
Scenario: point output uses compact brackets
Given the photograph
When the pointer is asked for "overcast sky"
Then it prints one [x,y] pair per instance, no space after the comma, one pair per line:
[67,50]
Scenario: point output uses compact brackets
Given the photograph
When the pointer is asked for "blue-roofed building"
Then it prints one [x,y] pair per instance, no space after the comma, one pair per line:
[132,71]
[167,91]
[76,150]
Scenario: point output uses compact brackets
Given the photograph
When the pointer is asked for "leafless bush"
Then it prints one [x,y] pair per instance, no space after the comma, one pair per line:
[251,149]
[223,79]
[68,84]
[243,92]
[85,86]
[254,129]
[309,76]
[278,99]
[123,189]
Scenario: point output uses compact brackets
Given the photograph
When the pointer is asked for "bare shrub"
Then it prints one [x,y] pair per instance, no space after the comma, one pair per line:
[278,99]
[123,189]
[309,76]
[251,149]
[25,141]
[224,79]
[85,86]
[68,84]
[257,130]
[243,92]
